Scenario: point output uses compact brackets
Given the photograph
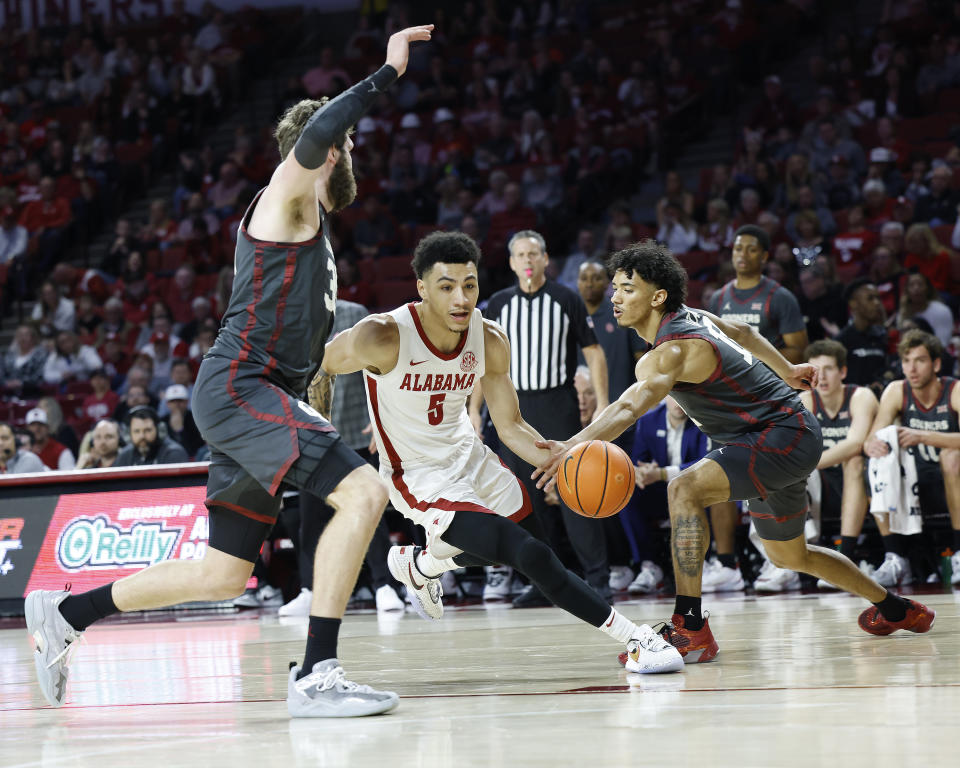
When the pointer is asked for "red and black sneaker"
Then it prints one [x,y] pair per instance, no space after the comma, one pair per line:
[919,619]
[695,646]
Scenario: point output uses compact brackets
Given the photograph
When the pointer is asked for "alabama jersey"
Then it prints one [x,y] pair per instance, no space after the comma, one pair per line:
[430,455]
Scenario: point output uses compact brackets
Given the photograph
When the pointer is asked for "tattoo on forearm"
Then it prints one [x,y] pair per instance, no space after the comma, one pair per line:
[689,540]
[320,393]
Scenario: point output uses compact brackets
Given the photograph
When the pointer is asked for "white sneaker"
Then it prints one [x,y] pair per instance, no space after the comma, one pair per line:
[955,567]
[299,606]
[422,593]
[718,578]
[498,582]
[620,577]
[269,597]
[649,653]
[326,692]
[54,639]
[388,599]
[650,579]
[777,580]
[866,568]
[894,571]
[826,585]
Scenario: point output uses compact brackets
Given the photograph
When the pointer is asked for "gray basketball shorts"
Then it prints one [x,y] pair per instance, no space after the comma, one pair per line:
[770,468]
[262,440]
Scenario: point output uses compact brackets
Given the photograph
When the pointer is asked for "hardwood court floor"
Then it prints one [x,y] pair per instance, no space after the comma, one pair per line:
[796,683]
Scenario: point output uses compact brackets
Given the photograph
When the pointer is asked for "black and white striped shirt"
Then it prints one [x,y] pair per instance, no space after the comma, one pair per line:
[545,330]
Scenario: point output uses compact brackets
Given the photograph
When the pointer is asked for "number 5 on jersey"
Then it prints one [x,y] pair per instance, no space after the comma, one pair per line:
[435,409]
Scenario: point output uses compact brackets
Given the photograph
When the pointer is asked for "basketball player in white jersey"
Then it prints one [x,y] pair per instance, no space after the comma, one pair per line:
[420,363]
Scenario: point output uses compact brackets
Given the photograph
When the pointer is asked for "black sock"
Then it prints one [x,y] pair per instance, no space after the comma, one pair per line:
[893,607]
[848,545]
[956,541]
[689,608]
[82,610]
[321,643]
[894,542]
[727,561]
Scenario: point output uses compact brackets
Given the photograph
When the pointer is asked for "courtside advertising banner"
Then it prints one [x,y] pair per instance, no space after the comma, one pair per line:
[90,539]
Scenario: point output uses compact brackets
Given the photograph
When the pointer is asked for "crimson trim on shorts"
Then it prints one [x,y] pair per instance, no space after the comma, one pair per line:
[400,484]
[779,519]
[240,510]
[423,337]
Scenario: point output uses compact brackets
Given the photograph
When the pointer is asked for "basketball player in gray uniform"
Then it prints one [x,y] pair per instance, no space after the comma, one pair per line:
[262,436]
[927,406]
[771,309]
[740,391]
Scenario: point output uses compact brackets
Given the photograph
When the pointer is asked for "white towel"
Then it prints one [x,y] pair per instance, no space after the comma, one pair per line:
[893,485]
[811,529]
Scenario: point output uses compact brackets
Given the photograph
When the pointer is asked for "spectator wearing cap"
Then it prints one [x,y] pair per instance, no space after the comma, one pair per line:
[21,366]
[940,205]
[146,445]
[883,167]
[865,337]
[877,207]
[447,137]
[70,360]
[181,428]
[13,459]
[411,135]
[103,401]
[102,446]
[53,454]
[827,144]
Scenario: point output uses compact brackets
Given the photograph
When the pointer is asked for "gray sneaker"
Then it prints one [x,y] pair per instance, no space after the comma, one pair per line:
[425,594]
[325,692]
[54,639]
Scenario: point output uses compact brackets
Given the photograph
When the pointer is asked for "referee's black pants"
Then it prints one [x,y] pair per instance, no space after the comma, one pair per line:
[555,414]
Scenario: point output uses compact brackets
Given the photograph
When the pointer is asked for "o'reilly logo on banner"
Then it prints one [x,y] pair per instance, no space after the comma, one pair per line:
[98,543]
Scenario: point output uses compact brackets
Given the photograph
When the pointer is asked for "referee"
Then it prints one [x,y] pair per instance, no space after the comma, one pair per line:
[546,324]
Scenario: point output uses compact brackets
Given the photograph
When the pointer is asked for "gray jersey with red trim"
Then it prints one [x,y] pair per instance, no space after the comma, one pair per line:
[768,307]
[741,396]
[282,306]
[939,417]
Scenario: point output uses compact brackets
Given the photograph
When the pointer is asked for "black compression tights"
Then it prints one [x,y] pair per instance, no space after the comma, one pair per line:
[487,539]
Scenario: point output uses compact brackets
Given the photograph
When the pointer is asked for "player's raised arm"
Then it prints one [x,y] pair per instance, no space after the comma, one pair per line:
[798,376]
[373,343]
[502,401]
[657,372]
[297,174]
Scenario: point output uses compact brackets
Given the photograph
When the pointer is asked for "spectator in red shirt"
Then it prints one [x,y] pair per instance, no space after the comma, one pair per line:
[180,294]
[46,220]
[53,454]
[28,190]
[103,401]
[853,244]
[928,255]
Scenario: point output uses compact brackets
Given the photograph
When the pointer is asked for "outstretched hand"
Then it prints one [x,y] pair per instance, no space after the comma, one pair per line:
[398,46]
[547,471]
[803,376]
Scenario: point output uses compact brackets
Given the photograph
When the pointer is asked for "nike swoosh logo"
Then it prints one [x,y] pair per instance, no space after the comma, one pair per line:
[410,571]
[420,362]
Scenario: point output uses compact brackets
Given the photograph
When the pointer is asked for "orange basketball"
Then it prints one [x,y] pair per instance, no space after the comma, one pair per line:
[595,479]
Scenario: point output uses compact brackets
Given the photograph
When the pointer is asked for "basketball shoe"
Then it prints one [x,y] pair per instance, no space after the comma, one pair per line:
[773,579]
[620,577]
[299,606]
[894,571]
[326,692]
[649,653]
[388,600]
[499,581]
[955,568]
[650,579]
[693,645]
[718,578]
[424,593]
[55,640]
[919,619]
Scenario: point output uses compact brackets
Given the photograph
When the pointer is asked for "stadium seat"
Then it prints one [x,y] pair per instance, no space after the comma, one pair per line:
[392,293]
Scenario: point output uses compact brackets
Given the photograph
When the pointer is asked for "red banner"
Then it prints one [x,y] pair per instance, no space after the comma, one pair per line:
[95,538]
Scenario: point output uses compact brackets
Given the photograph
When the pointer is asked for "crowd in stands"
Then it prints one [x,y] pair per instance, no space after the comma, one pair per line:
[533,115]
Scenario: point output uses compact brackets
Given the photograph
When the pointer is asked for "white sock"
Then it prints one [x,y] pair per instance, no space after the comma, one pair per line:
[431,566]
[619,627]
